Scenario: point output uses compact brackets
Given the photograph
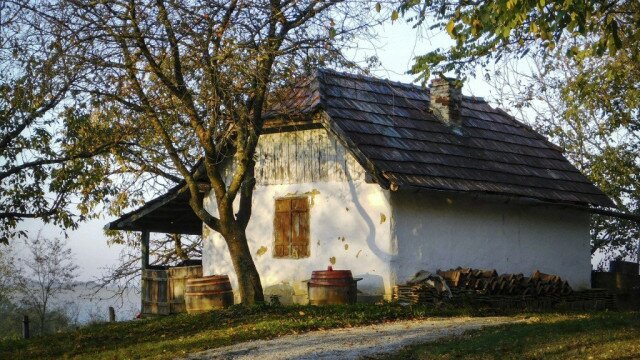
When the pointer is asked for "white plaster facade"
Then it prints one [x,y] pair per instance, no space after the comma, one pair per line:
[349,219]
[385,237]
[437,231]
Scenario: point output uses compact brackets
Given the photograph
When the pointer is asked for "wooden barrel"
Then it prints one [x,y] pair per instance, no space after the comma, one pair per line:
[331,287]
[208,293]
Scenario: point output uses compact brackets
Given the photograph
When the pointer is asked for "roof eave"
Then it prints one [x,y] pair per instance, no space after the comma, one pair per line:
[589,207]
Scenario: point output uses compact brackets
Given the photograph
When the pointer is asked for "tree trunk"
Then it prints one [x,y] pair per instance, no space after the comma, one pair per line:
[249,284]
[42,319]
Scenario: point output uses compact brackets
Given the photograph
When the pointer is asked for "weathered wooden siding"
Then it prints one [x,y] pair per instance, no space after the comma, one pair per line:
[304,156]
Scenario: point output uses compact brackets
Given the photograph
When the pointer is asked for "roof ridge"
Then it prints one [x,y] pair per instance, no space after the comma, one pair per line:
[361,77]
[373,78]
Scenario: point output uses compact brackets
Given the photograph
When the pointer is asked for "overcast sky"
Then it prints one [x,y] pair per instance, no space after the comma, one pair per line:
[397,44]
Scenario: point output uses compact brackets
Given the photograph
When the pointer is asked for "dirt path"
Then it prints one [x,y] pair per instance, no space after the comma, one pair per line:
[351,343]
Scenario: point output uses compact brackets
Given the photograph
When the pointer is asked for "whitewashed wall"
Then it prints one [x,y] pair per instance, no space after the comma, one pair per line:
[353,226]
[435,231]
[349,218]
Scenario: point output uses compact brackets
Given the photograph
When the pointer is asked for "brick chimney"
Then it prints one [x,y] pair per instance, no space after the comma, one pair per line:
[446,98]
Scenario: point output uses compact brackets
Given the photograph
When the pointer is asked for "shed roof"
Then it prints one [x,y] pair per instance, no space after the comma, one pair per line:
[169,213]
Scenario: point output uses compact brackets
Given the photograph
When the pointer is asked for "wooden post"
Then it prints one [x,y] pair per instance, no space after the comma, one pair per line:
[25,327]
[144,248]
[112,314]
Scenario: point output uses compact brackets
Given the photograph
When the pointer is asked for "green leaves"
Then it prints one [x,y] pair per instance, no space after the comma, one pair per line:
[46,137]
[527,26]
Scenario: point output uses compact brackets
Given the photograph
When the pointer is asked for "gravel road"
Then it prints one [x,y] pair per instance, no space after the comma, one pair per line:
[350,343]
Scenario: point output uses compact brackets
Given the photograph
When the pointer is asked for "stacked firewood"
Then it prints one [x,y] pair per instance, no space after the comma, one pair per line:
[483,286]
[417,294]
[488,282]
[423,288]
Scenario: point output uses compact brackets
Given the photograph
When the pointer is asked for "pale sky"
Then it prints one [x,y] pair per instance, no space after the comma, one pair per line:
[397,44]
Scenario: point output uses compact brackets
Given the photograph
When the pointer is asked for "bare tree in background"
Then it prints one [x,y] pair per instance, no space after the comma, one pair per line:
[164,249]
[47,271]
[8,272]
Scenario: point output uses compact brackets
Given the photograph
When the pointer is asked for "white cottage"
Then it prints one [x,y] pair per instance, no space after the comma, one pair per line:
[385,179]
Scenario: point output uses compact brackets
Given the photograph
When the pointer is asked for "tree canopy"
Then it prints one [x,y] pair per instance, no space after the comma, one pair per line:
[488,30]
[47,138]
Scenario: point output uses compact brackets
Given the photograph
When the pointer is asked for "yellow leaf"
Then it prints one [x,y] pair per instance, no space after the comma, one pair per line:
[450,27]
[534,27]
[378,7]
[394,15]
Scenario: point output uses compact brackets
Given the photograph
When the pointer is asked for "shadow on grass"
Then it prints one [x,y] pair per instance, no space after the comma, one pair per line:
[560,336]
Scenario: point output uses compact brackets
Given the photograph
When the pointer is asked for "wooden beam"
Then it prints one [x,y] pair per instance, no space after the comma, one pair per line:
[617,214]
[166,228]
[144,249]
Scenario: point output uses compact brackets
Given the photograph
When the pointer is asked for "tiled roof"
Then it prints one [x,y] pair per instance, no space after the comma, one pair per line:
[389,126]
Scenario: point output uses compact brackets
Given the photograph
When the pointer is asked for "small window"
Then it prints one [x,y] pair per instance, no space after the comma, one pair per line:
[291,228]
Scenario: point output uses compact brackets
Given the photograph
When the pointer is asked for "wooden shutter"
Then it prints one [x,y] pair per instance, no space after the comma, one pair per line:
[291,228]
[282,227]
[299,227]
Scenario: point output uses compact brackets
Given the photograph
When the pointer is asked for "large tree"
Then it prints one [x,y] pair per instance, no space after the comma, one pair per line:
[194,77]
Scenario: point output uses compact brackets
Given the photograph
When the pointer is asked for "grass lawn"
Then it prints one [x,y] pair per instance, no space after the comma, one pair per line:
[171,336]
[604,335]
[612,335]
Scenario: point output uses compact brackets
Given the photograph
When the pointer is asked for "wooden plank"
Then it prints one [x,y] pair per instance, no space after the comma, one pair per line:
[282,227]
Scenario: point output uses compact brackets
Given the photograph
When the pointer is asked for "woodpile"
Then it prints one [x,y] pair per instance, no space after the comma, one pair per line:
[423,288]
[417,294]
[488,282]
[485,287]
